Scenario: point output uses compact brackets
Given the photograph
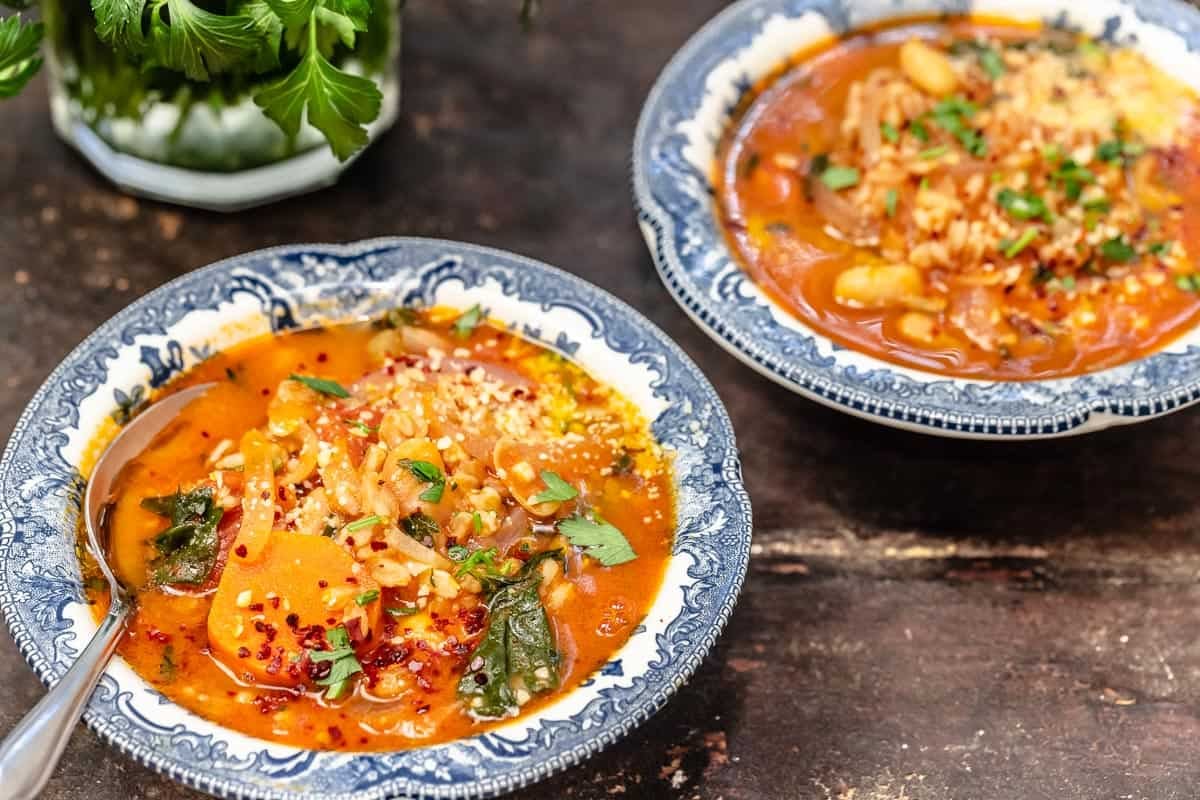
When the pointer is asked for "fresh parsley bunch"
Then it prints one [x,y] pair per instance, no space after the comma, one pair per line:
[287,45]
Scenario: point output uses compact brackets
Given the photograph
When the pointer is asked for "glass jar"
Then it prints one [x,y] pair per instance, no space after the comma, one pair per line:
[158,134]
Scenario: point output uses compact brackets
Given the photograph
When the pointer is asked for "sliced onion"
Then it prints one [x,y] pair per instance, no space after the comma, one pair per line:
[868,127]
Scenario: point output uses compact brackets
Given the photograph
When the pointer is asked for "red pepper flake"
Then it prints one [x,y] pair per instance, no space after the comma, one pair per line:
[350,541]
[292,619]
[331,621]
[266,392]
[322,358]
[378,545]
[241,551]
[155,635]
[274,602]
[335,733]
[243,652]
[322,583]
[255,606]
[351,579]
[204,434]
[260,626]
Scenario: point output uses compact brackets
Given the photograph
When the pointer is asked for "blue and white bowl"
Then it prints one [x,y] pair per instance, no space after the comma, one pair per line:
[674,156]
[180,324]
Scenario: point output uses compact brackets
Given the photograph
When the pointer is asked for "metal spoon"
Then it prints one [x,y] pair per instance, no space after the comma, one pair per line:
[31,750]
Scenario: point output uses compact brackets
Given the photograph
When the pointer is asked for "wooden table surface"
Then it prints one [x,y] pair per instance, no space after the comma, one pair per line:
[922,618]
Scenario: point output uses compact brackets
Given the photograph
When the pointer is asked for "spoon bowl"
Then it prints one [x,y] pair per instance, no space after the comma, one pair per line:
[32,749]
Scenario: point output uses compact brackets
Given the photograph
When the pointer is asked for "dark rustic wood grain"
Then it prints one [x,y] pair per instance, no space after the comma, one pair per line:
[923,618]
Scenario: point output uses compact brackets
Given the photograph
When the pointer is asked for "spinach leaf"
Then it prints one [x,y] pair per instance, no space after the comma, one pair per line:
[188,547]
[518,647]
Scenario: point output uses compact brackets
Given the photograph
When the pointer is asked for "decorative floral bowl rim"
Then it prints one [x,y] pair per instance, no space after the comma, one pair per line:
[184,321]
[691,105]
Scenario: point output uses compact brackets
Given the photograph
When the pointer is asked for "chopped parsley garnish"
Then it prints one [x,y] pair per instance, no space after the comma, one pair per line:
[477,523]
[481,564]
[468,321]
[934,152]
[1115,150]
[365,522]
[401,611]
[457,552]
[367,597]
[1101,204]
[1023,241]
[343,663]
[889,201]
[1188,283]
[1118,250]
[836,177]
[918,130]
[167,667]
[889,132]
[1073,178]
[1052,152]
[991,62]
[322,385]
[1159,248]
[599,539]
[557,490]
[951,115]
[362,427]
[429,473]
[1067,283]
[1023,205]
[400,317]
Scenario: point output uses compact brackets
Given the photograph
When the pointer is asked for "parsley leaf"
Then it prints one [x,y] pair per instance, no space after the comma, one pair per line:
[1023,205]
[338,103]
[468,321]
[889,132]
[600,540]
[557,490]
[322,385]
[991,62]
[197,42]
[119,22]
[19,61]
[429,473]
[836,177]
[343,663]
[1117,250]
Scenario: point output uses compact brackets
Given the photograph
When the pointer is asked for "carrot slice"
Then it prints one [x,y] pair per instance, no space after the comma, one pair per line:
[267,613]
[258,499]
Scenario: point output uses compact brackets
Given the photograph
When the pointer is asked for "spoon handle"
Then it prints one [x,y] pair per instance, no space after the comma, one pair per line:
[31,750]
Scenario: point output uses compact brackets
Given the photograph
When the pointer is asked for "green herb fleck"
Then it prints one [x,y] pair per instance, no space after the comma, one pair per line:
[836,177]
[167,668]
[367,597]
[1159,248]
[1023,241]
[557,490]
[322,385]
[991,62]
[401,611]
[933,152]
[428,473]
[468,321]
[1189,282]
[918,130]
[365,522]
[477,523]
[1117,250]
[187,550]
[1023,205]
[889,132]
[889,201]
